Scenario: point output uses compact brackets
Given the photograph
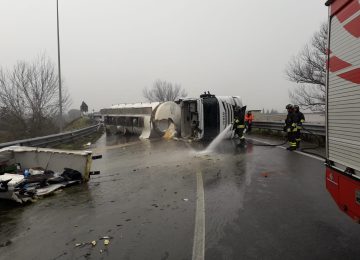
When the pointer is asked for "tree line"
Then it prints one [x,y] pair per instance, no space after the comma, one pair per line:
[29,99]
[308,70]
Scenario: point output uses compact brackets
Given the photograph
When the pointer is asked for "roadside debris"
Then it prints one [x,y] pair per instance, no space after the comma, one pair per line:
[185,199]
[264,174]
[27,173]
[25,187]
[218,173]
[80,244]
[6,243]
[93,243]
[87,144]
[105,237]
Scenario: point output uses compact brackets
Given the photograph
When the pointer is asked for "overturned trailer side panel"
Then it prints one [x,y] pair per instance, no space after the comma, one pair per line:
[14,186]
[129,118]
[143,119]
[51,159]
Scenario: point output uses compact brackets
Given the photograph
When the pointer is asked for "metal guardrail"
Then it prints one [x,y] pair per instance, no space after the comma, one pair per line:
[278,126]
[53,139]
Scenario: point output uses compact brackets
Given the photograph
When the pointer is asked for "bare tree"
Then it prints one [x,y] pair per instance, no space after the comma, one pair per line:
[84,108]
[164,91]
[29,97]
[308,70]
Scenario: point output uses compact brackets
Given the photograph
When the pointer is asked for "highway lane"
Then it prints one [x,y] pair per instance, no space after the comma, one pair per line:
[258,202]
[272,204]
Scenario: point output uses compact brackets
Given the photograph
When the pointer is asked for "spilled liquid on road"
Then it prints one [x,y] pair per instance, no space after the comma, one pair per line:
[226,133]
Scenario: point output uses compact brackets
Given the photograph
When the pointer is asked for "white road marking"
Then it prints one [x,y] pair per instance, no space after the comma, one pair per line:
[298,152]
[311,156]
[199,232]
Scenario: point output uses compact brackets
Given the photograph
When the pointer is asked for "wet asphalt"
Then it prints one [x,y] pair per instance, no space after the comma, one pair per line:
[260,203]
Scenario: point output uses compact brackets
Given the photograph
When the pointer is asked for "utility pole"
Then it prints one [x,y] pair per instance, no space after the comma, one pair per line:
[59,68]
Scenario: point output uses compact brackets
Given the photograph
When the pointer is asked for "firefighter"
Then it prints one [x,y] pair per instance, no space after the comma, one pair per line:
[249,117]
[290,127]
[300,119]
[238,124]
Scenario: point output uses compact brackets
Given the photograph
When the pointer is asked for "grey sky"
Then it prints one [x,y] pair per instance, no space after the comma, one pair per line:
[112,49]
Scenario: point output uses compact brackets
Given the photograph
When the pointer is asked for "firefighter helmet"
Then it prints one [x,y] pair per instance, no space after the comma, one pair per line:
[296,107]
[289,106]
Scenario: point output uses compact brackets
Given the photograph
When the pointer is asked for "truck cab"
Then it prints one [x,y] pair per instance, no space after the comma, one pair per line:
[205,117]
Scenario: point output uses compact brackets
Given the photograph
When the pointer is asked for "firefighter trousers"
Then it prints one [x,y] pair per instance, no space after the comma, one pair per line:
[240,132]
[298,137]
[291,135]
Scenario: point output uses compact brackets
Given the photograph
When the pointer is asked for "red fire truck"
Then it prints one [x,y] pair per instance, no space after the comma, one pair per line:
[343,106]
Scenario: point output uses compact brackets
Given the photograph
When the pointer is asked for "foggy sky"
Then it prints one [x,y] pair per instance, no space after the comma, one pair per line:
[112,49]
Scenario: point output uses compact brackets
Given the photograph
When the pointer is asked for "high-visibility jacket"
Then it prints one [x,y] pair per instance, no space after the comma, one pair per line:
[290,122]
[299,119]
[238,124]
[249,118]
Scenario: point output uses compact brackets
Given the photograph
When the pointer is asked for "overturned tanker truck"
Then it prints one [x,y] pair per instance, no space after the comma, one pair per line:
[193,118]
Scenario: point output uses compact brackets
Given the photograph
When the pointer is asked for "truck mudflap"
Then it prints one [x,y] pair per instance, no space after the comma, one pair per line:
[345,190]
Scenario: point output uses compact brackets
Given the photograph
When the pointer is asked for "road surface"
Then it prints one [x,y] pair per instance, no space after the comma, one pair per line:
[168,200]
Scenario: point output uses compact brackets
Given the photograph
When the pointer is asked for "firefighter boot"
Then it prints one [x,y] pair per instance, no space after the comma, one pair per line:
[292,146]
[242,141]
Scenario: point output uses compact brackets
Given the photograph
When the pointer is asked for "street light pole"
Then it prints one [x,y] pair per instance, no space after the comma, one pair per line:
[59,68]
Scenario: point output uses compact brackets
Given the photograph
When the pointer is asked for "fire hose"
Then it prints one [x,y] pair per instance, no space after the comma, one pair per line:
[302,149]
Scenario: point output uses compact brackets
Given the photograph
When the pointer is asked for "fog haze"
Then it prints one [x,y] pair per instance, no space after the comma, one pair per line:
[111,50]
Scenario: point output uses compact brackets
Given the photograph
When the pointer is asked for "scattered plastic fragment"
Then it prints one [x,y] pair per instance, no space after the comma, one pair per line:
[106,242]
[185,199]
[218,173]
[6,243]
[265,174]
[93,243]
[58,191]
